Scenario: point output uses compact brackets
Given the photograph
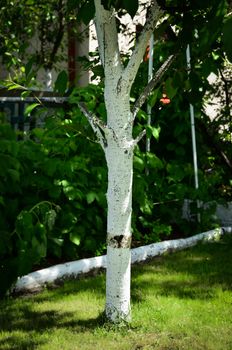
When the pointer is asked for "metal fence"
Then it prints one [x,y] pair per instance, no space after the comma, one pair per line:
[13,106]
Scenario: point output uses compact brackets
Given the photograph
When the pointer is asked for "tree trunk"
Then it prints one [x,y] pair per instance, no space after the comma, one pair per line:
[120,172]
[118,144]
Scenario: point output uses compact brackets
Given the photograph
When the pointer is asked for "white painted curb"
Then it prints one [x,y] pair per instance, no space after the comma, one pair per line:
[36,280]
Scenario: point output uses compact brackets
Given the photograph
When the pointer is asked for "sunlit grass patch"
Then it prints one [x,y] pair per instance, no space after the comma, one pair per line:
[180,301]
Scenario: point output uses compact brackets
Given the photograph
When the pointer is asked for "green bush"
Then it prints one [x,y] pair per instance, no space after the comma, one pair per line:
[52,195]
[53,184]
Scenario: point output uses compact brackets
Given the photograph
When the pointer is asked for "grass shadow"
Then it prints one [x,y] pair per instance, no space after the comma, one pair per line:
[14,342]
[194,273]
[25,332]
[25,323]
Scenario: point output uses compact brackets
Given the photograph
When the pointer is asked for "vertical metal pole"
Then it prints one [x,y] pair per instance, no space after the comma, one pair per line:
[193,132]
[150,76]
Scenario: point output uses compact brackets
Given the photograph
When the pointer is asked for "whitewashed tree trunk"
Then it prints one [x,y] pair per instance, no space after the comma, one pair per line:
[119,157]
[118,145]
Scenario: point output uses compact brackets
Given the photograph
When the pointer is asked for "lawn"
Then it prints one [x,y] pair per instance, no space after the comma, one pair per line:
[179,301]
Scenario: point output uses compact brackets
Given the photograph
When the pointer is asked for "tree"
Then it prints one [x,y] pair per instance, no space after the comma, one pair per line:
[116,136]
[118,143]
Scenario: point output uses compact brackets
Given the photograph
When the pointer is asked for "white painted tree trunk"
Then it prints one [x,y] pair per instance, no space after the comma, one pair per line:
[119,158]
[118,145]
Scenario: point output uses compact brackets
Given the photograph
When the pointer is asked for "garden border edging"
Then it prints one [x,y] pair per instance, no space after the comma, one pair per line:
[35,281]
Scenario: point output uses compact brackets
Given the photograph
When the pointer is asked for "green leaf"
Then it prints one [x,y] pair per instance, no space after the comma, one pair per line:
[154,162]
[75,238]
[156,132]
[139,188]
[142,115]
[25,93]
[149,131]
[90,244]
[12,86]
[51,166]
[90,197]
[153,131]
[139,163]
[61,82]
[41,234]
[57,241]
[146,208]
[30,108]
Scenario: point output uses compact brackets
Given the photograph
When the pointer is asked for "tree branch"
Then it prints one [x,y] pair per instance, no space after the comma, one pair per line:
[139,137]
[99,128]
[130,71]
[153,82]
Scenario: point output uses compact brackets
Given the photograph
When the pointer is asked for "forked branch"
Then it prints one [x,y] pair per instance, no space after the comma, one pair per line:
[153,82]
[139,137]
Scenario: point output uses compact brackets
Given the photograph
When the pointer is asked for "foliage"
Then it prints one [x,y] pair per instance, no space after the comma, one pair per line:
[169,169]
[52,175]
[33,34]
[24,220]
[58,172]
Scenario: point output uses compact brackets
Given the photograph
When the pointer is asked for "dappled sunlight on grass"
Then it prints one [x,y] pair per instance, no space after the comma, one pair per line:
[179,301]
[195,273]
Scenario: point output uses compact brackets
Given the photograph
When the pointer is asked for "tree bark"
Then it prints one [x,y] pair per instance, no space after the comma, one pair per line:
[119,198]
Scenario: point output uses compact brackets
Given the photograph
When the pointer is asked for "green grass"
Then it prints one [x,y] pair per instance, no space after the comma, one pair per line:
[180,301]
